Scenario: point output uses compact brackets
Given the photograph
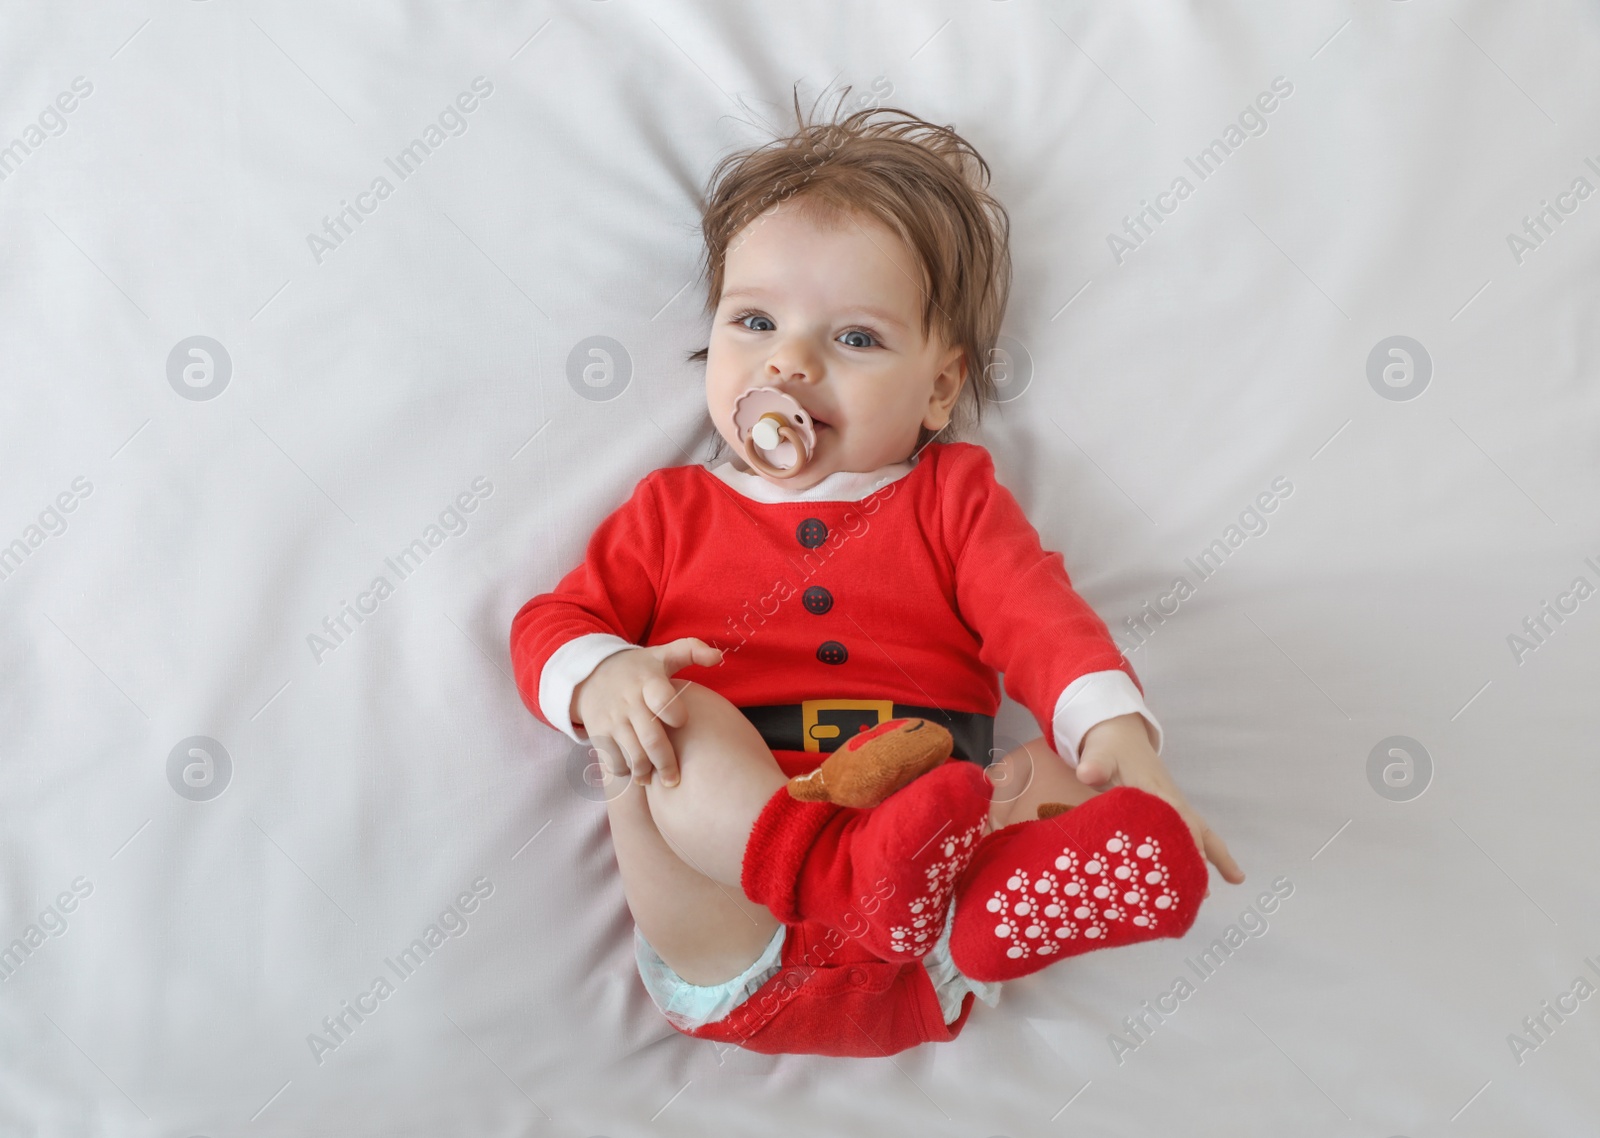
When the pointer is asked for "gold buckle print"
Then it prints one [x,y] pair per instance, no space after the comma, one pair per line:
[812,731]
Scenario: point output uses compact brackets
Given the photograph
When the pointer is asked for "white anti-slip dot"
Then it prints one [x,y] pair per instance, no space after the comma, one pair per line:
[1023,917]
[928,911]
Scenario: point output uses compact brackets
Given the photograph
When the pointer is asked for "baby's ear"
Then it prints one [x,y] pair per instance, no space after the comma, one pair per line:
[956,368]
[953,361]
[946,391]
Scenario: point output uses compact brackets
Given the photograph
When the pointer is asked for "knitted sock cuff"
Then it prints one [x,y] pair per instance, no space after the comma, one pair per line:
[779,843]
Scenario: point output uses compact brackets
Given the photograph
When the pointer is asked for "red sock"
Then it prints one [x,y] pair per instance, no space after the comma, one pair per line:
[884,875]
[1119,868]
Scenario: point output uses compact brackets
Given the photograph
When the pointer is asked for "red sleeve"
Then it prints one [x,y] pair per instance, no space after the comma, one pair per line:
[613,591]
[1016,596]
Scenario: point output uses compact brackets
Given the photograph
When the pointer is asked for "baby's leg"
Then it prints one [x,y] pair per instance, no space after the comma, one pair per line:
[726,775]
[681,848]
[879,873]
[1028,776]
[706,931]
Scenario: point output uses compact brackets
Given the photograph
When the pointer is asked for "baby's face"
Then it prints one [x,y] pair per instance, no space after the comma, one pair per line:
[833,317]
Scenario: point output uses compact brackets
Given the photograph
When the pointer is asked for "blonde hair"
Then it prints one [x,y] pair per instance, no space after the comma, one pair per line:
[924,182]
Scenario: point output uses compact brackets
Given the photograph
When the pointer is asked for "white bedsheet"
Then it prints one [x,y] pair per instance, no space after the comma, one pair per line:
[241,812]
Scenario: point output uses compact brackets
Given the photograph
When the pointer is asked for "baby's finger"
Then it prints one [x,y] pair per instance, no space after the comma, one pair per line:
[658,745]
[1217,850]
[1095,770]
[610,755]
[707,655]
[661,697]
[638,763]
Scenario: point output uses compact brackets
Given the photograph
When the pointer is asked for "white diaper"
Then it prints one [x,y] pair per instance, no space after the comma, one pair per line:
[688,1006]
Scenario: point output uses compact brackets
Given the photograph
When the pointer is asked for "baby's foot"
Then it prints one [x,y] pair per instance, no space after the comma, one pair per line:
[913,848]
[1119,868]
[923,918]
[884,875]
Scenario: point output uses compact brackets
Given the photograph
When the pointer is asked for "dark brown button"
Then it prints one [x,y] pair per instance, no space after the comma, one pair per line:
[811,533]
[817,600]
[832,652]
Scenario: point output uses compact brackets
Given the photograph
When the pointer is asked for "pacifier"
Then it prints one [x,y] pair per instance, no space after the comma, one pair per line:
[776,433]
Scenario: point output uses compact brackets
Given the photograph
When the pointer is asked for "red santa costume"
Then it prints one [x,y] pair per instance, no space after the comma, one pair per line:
[869,596]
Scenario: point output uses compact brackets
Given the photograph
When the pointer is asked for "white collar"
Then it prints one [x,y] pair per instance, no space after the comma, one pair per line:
[840,486]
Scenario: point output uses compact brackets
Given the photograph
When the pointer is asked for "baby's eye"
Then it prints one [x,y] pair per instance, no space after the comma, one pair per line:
[743,317]
[865,335]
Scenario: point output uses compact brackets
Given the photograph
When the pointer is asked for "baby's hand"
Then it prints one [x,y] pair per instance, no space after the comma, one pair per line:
[1118,753]
[623,703]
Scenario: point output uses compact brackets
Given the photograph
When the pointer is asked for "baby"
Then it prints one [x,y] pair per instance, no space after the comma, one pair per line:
[789,668]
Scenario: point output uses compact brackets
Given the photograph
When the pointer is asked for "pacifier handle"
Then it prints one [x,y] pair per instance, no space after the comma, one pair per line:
[786,433]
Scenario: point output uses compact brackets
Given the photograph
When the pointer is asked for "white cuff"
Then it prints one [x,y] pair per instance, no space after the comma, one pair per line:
[567,667]
[1092,699]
